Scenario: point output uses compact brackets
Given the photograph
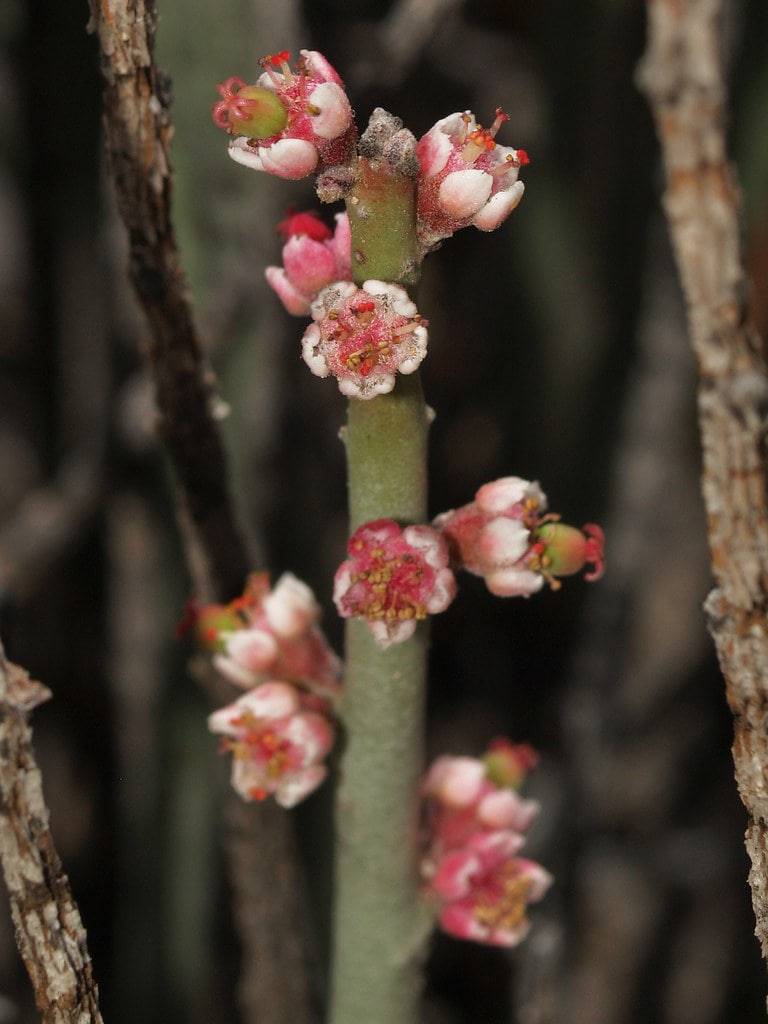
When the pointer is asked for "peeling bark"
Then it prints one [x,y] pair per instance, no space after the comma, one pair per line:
[49,932]
[683,80]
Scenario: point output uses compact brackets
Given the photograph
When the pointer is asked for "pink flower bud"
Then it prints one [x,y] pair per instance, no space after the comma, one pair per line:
[466,795]
[507,764]
[364,336]
[277,746]
[506,537]
[466,178]
[274,632]
[290,607]
[312,259]
[393,578]
[290,121]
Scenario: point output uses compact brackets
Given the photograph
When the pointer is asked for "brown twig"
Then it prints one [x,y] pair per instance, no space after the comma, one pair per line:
[138,135]
[683,79]
[49,931]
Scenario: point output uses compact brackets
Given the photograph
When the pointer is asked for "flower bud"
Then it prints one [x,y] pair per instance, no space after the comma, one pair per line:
[313,257]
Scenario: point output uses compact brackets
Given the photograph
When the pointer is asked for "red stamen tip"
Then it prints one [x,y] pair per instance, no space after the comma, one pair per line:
[500,116]
[522,157]
[276,59]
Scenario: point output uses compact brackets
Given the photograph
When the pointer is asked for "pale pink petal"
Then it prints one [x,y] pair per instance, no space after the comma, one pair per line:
[367,387]
[243,154]
[331,297]
[417,350]
[514,582]
[443,592]
[290,607]
[455,874]
[455,781]
[311,733]
[508,937]
[294,301]
[289,158]
[294,787]
[320,66]
[503,808]
[271,700]
[388,633]
[310,265]
[539,877]
[251,649]
[463,193]
[311,351]
[248,776]
[335,114]
[499,496]
[459,919]
[341,244]
[499,207]
[433,151]
[234,673]
[502,542]
[429,543]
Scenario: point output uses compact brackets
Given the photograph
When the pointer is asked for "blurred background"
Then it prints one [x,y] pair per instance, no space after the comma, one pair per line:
[557,352]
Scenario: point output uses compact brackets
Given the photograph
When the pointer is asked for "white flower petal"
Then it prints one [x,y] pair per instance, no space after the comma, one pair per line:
[463,193]
[335,112]
[499,207]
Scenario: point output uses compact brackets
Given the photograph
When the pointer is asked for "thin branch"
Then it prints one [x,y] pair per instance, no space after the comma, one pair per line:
[138,135]
[49,931]
[683,79]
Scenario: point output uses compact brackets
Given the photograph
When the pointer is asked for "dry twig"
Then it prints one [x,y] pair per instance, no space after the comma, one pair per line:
[49,931]
[138,133]
[682,77]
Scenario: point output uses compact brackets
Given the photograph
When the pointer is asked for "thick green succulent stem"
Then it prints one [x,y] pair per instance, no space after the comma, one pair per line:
[380,924]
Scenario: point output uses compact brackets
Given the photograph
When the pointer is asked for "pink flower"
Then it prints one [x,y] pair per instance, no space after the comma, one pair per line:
[466,178]
[277,746]
[467,795]
[485,889]
[393,578]
[312,259]
[289,122]
[364,336]
[271,632]
[505,537]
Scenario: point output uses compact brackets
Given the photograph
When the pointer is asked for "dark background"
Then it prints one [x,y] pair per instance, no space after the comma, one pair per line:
[557,352]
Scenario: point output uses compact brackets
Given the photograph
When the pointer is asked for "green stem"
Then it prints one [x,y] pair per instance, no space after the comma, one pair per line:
[380,925]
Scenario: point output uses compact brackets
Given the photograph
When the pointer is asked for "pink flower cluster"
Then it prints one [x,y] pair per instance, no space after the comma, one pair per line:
[271,633]
[476,825]
[506,537]
[364,336]
[312,122]
[268,642]
[393,578]
[277,741]
[466,178]
[313,257]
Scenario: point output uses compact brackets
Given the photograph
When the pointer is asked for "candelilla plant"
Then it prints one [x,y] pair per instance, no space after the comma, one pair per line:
[412,848]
